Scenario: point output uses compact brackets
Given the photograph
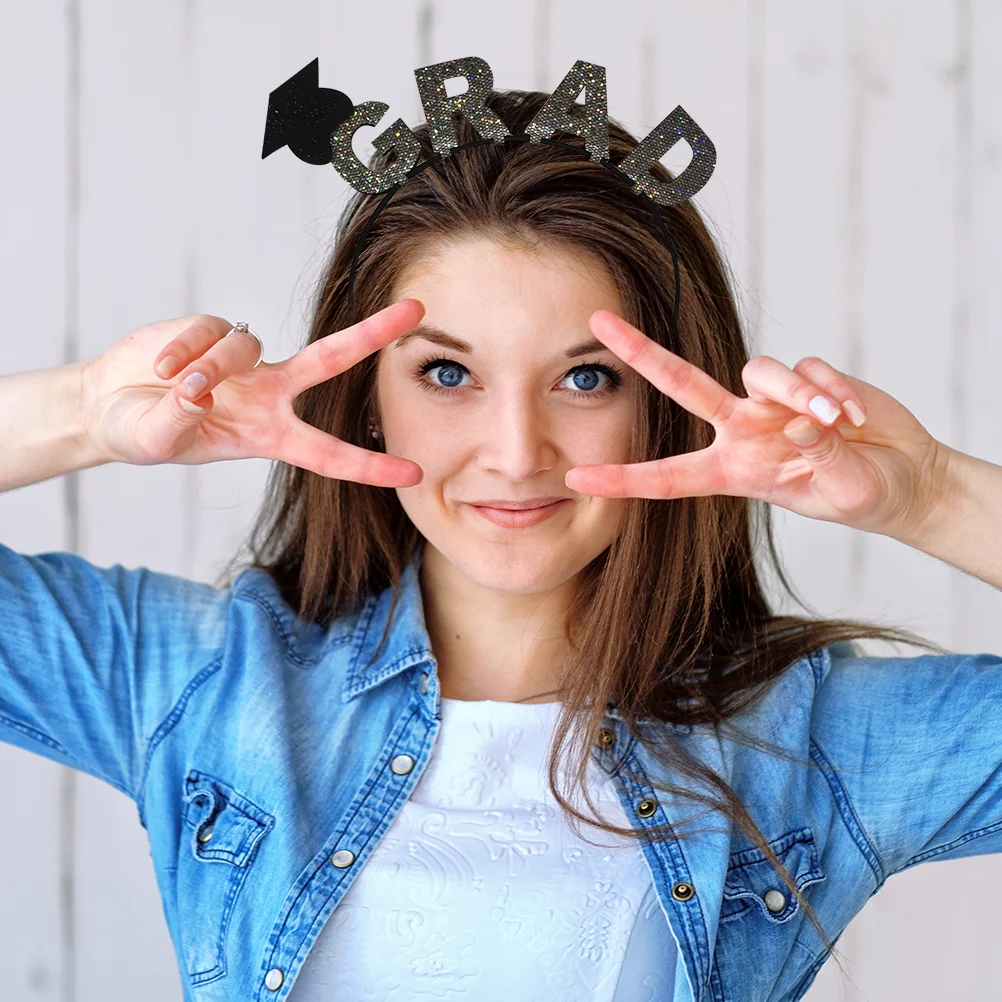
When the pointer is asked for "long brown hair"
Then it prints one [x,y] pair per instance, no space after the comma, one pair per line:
[670,622]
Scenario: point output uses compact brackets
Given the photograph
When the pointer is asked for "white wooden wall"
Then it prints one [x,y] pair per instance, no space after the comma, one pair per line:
[858,197]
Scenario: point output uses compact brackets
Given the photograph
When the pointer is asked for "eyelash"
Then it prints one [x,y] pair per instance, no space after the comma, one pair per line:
[614,375]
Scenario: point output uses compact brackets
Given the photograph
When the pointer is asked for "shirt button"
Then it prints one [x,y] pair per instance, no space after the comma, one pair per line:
[683,891]
[402,765]
[647,807]
[774,900]
[606,738]
[343,858]
[274,978]
[205,834]
[423,683]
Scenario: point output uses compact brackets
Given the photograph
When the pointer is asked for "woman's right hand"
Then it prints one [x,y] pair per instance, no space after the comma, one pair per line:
[136,411]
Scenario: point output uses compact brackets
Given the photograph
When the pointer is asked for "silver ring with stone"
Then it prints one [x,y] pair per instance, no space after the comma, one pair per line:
[242,328]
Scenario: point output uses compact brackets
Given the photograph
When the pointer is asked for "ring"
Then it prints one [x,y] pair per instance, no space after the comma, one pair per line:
[242,328]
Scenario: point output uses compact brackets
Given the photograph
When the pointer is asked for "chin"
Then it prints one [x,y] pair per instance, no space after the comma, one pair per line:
[514,570]
[526,566]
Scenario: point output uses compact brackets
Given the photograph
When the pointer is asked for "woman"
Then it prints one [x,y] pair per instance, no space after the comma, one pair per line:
[511,517]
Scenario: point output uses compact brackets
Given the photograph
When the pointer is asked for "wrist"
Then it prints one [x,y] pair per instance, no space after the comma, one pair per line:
[81,408]
[941,485]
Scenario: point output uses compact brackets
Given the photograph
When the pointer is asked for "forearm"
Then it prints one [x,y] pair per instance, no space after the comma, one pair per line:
[41,429]
[964,523]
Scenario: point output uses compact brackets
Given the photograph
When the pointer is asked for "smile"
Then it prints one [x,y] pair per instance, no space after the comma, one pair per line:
[510,518]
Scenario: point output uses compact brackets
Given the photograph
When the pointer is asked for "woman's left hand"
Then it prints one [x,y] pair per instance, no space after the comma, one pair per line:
[879,476]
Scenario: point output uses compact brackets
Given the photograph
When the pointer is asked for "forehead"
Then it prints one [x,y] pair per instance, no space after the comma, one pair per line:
[487,291]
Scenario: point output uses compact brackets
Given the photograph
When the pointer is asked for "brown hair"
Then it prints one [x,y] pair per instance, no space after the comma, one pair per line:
[671,621]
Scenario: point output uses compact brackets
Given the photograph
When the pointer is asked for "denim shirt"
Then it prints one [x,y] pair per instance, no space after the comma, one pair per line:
[266,761]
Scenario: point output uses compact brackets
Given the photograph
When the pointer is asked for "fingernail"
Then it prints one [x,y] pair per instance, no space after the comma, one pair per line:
[804,433]
[827,410]
[191,408]
[166,366]
[855,412]
[193,384]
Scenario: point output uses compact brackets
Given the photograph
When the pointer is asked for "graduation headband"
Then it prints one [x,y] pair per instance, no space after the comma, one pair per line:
[318,125]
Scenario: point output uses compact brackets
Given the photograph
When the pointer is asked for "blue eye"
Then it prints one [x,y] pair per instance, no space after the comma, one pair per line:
[451,373]
[586,381]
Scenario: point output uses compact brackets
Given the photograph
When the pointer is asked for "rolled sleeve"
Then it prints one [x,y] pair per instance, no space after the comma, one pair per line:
[915,746]
[92,659]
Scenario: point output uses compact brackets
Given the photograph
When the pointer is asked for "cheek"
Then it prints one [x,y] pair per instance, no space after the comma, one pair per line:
[602,437]
[422,435]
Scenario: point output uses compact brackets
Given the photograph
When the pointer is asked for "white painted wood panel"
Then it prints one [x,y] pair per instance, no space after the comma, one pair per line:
[857,198]
[35,72]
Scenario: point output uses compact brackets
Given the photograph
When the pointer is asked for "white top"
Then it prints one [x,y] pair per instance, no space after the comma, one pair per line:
[479,890]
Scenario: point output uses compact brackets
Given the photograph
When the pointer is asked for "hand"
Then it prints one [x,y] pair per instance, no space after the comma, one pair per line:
[877,476]
[134,416]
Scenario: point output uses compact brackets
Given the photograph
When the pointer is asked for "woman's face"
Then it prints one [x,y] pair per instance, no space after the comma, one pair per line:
[503,405]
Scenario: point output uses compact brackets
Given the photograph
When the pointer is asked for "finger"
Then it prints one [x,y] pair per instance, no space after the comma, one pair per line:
[230,354]
[336,352]
[168,421]
[690,474]
[835,384]
[314,450]
[687,384]
[839,472]
[768,380]
[203,332]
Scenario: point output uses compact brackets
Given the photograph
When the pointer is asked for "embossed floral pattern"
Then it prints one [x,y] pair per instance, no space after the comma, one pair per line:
[479,890]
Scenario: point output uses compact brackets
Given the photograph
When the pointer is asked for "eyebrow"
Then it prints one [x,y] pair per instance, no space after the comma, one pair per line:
[429,333]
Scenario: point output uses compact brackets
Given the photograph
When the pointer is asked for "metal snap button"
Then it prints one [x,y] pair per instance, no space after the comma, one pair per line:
[274,978]
[423,683]
[205,834]
[682,891]
[606,739]
[402,765]
[647,807]
[774,900]
[343,858]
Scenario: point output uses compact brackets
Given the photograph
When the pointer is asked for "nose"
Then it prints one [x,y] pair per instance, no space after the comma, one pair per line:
[516,440]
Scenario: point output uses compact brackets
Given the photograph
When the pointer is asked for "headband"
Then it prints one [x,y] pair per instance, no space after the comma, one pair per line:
[318,125]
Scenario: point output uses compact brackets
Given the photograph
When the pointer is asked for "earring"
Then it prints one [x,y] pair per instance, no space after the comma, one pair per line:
[373,428]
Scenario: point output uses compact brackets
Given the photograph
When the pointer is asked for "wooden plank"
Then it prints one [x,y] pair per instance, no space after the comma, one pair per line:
[35,59]
[132,270]
[911,324]
[800,230]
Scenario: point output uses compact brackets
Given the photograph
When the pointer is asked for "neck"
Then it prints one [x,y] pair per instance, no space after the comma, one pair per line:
[491,644]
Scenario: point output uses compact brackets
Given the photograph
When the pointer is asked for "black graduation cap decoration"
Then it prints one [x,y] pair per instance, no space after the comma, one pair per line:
[302,115]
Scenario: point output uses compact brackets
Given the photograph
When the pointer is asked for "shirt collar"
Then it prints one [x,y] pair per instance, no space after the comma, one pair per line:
[407,643]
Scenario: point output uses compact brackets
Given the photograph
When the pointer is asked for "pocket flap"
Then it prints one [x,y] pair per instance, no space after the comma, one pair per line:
[751,877]
[227,826]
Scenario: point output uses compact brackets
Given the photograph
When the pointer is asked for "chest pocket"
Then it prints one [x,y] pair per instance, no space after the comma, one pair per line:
[222,832]
[753,887]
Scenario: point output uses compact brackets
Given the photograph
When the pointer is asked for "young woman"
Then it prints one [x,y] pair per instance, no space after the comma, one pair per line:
[511,517]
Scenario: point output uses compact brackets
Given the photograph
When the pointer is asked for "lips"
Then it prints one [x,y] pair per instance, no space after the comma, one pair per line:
[538,511]
[540,502]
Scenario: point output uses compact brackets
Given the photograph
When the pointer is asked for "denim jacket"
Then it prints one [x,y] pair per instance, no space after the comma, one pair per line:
[266,761]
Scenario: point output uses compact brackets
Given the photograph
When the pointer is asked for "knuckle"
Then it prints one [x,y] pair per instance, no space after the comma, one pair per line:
[753,365]
[210,368]
[200,325]
[825,451]
[678,376]
[808,362]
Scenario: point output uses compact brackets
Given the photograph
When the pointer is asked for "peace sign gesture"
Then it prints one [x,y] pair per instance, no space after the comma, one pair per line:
[788,442]
[182,391]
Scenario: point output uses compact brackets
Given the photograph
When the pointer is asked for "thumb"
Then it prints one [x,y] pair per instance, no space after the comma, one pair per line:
[172,417]
[838,470]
